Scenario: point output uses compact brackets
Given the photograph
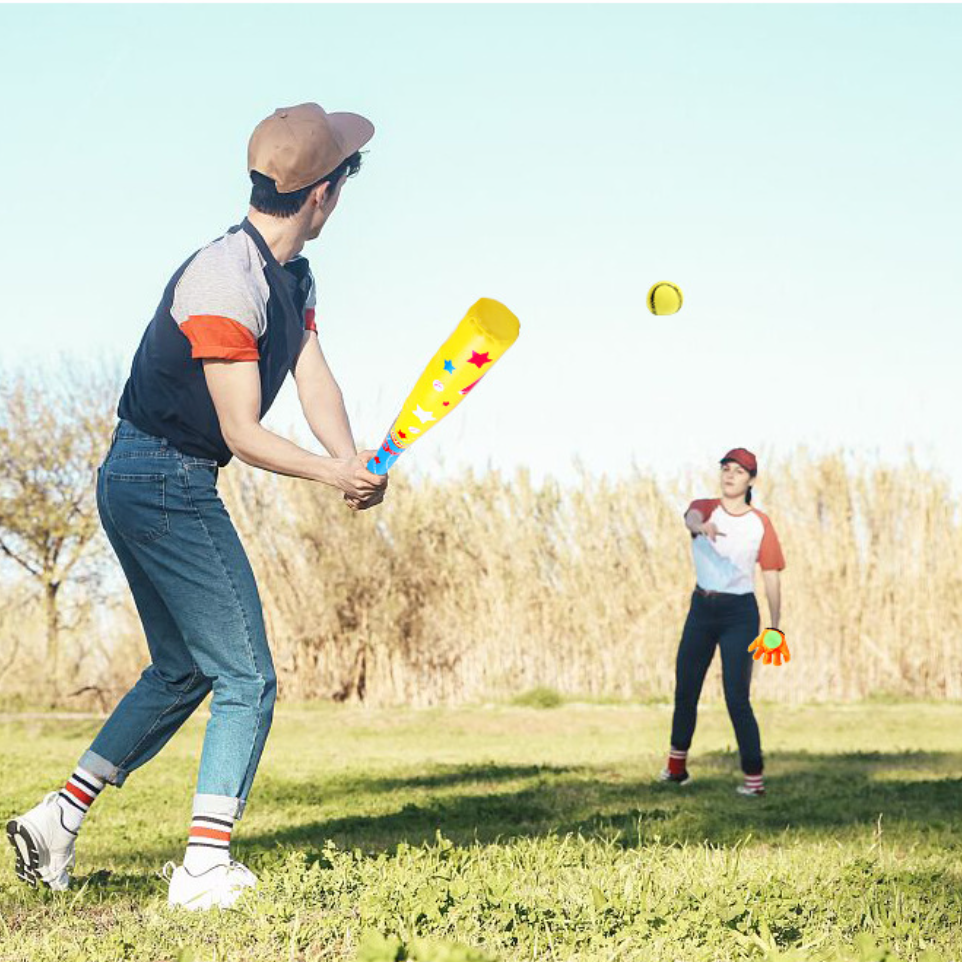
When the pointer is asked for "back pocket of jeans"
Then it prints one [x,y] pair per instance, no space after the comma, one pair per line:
[137,505]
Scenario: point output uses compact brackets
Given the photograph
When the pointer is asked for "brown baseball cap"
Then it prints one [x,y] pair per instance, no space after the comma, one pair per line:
[297,146]
[743,457]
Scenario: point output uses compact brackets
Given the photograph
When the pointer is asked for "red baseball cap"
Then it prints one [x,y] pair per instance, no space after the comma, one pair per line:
[744,457]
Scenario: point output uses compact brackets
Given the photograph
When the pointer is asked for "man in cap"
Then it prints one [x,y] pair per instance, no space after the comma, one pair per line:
[232,322]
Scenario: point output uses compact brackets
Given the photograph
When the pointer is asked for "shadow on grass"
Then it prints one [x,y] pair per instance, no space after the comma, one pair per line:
[812,796]
[281,791]
[139,885]
[809,795]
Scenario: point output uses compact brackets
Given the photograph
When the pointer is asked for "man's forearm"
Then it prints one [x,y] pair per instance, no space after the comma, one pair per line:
[328,420]
[260,448]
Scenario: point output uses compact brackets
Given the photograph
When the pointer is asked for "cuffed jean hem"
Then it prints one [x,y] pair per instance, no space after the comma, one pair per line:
[219,805]
[103,769]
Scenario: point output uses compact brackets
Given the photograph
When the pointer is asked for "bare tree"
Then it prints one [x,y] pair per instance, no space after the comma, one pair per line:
[55,426]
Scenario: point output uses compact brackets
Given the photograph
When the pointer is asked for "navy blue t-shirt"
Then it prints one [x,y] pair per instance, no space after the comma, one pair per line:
[231,301]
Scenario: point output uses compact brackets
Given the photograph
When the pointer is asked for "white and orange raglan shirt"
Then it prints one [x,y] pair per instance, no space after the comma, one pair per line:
[728,564]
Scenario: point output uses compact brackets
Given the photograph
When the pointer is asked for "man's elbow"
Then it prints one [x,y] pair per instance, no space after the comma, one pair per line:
[240,438]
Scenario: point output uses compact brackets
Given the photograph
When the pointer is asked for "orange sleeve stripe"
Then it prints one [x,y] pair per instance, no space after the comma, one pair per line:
[221,338]
[210,833]
[705,507]
[309,323]
[770,556]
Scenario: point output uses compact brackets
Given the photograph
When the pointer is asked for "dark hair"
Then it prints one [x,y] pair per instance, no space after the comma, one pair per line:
[268,200]
[748,495]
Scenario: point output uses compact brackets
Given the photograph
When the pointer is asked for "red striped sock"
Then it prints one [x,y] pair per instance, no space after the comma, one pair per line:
[755,783]
[677,761]
[76,797]
[209,843]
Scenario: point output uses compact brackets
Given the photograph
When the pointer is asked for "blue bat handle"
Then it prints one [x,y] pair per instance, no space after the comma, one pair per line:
[383,467]
[387,454]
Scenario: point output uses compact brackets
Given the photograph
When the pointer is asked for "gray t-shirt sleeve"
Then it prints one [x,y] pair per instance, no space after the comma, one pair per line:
[219,305]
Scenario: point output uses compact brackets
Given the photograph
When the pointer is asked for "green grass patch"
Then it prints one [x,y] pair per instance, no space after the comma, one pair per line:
[507,834]
[540,697]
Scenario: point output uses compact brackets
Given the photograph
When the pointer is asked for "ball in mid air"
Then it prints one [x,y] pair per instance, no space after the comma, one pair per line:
[665,298]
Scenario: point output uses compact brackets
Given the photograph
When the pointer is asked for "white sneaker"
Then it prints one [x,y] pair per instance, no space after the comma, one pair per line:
[43,845]
[217,888]
[750,792]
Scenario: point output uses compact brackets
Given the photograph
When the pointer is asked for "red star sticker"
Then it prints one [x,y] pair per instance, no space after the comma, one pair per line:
[377,460]
[479,359]
[401,435]
[446,403]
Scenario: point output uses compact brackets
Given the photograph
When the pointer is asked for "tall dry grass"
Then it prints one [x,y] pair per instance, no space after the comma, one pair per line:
[487,585]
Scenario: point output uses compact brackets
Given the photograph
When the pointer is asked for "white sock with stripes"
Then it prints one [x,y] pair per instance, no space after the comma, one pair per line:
[76,797]
[755,783]
[209,843]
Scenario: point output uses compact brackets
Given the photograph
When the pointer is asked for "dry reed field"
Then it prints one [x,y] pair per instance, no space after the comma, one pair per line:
[485,585]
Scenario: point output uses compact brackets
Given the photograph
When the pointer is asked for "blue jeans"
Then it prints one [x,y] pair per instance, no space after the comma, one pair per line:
[730,622]
[196,596]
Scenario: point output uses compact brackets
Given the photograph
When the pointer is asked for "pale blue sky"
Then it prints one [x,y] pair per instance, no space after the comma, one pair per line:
[794,169]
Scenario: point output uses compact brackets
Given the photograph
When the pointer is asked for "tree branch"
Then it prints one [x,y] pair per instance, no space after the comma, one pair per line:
[36,572]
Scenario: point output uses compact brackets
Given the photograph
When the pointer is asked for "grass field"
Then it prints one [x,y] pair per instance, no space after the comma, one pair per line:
[510,833]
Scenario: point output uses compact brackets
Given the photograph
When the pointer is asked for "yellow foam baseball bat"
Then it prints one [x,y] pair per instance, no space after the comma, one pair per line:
[477,344]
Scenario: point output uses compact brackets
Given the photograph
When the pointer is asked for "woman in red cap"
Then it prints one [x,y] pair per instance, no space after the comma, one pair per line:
[729,537]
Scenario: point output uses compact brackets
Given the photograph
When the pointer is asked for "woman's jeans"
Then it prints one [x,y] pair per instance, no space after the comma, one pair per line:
[730,622]
[197,599]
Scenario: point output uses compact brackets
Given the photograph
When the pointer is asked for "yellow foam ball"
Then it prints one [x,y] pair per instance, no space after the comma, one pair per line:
[665,298]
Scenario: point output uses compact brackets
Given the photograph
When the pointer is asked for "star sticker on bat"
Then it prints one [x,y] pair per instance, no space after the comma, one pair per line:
[449,367]
[479,359]
[422,415]
[401,435]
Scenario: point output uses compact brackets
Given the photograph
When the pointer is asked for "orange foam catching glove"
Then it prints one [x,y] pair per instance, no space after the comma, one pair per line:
[771,647]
